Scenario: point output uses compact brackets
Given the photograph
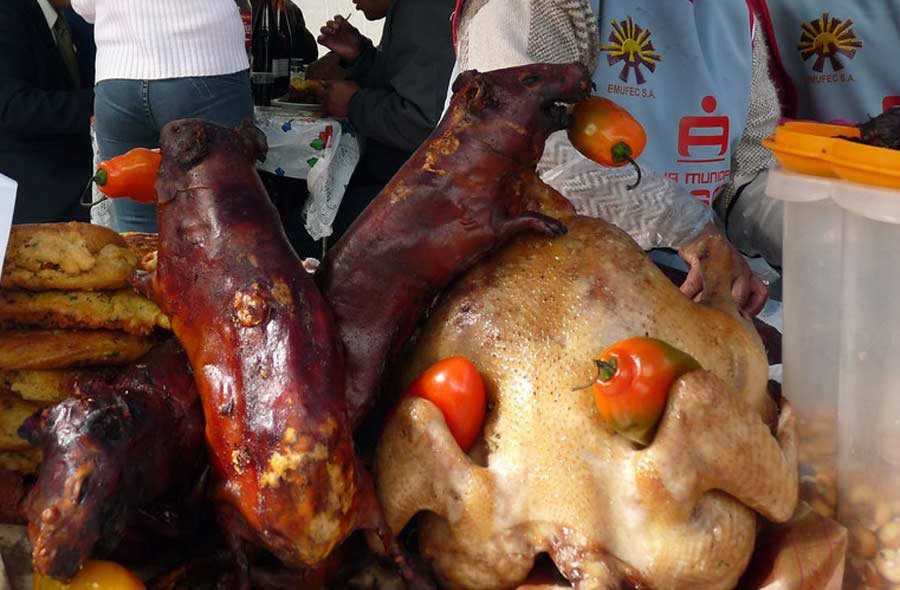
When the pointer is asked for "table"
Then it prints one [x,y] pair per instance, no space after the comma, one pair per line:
[322,151]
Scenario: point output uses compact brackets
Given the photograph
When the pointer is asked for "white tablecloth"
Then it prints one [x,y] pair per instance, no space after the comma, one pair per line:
[322,151]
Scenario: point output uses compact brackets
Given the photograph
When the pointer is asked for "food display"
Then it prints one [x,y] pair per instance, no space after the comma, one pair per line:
[476,388]
[470,188]
[549,475]
[100,447]
[265,351]
[67,314]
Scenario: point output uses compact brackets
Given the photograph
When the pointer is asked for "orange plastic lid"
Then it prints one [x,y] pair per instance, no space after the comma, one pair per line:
[801,146]
[865,164]
[820,129]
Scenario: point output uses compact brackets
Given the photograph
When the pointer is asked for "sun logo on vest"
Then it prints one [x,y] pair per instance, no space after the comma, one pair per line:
[828,38]
[630,43]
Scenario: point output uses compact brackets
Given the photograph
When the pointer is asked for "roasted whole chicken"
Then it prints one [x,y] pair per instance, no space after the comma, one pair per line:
[108,451]
[464,192]
[548,476]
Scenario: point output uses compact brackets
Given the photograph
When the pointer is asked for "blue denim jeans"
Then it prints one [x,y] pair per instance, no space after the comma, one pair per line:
[131,113]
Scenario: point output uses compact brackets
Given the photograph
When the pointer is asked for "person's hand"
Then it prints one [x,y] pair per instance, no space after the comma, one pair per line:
[342,38]
[327,67]
[336,97]
[747,290]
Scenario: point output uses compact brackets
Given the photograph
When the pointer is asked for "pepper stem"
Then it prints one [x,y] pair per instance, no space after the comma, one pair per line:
[100,177]
[638,168]
[606,370]
[621,152]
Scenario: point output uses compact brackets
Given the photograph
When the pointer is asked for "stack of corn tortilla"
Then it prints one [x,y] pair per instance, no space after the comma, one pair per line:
[67,314]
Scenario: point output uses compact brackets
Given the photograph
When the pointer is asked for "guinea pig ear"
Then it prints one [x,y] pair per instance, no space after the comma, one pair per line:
[479,95]
[463,79]
[185,142]
[254,140]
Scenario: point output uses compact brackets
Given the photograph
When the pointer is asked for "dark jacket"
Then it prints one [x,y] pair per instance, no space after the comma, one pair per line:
[44,121]
[404,81]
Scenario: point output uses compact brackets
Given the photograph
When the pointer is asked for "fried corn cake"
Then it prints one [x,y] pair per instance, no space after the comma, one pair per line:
[66,349]
[123,310]
[66,256]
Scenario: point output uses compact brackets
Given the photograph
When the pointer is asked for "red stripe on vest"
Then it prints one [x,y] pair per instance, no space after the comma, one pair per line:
[455,25]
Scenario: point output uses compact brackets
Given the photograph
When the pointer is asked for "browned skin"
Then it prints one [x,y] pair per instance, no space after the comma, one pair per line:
[459,196]
[105,457]
[548,476]
[264,350]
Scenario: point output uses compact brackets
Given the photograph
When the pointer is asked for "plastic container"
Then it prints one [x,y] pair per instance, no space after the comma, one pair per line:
[803,147]
[865,164]
[842,338]
[812,255]
[869,393]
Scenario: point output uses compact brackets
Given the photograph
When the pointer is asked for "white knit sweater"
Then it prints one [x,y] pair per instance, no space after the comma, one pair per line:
[158,39]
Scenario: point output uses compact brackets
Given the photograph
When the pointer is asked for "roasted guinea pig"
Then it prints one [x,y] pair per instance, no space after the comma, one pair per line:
[109,450]
[465,191]
[264,349]
[548,475]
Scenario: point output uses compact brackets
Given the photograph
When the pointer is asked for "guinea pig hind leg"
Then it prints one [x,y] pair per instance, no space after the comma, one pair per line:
[531,222]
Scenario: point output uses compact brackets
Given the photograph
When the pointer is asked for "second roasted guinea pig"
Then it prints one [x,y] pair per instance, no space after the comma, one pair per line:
[468,189]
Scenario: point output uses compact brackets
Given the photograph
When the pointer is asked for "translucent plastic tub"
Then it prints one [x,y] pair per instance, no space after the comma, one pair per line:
[812,254]
[869,394]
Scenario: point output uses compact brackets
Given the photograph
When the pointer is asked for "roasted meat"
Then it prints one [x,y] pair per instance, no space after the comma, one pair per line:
[265,352]
[465,191]
[549,475]
[108,451]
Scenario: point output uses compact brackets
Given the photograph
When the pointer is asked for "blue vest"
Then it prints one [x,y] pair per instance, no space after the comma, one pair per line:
[683,69]
[840,55]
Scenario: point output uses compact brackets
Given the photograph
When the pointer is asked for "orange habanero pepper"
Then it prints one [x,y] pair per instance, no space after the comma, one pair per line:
[607,134]
[633,382]
[94,575]
[131,175]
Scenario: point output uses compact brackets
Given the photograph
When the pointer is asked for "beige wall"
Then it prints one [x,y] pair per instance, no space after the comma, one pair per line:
[317,12]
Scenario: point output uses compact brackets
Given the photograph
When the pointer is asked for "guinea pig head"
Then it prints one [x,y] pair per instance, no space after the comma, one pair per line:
[518,108]
[77,502]
[192,149]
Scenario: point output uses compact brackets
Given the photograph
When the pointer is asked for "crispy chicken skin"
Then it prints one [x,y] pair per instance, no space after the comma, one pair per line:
[549,476]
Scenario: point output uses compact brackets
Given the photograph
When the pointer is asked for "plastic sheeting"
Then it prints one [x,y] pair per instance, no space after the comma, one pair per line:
[656,214]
